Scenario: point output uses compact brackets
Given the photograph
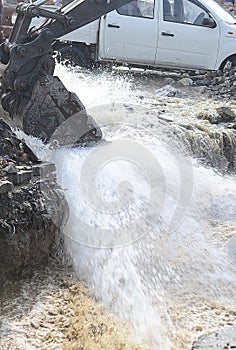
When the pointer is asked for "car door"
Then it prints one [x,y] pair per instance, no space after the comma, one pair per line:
[183,39]
[129,34]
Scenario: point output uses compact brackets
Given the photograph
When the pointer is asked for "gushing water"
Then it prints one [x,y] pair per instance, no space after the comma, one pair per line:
[149,230]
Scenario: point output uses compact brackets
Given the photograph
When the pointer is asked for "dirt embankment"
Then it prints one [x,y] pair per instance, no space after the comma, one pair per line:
[27,232]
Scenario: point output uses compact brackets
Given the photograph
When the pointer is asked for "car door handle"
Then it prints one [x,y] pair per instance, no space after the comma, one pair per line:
[113,25]
[167,34]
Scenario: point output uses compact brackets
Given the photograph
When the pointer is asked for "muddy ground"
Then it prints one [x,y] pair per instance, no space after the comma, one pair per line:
[65,316]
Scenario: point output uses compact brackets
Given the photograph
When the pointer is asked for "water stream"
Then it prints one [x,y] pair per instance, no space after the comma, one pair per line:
[147,227]
[152,232]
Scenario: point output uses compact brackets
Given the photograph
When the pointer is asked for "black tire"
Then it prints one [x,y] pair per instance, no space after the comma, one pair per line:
[228,64]
[72,56]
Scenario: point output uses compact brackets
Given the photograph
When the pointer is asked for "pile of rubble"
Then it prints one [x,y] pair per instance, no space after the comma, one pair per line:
[16,159]
[215,84]
[11,147]
[219,84]
[30,223]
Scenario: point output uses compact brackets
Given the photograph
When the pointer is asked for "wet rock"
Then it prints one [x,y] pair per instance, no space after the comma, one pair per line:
[216,80]
[6,186]
[211,117]
[220,115]
[214,148]
[222,339]
[219,73]
[169,81]
[226,115]
[216,89]
[43,169]
[169,91]
[20,176]
[201,89]
[202,82]
[32,208]
[11,146]
[185,82]
[28,234]
[10,168]
[34,324]
[220,84]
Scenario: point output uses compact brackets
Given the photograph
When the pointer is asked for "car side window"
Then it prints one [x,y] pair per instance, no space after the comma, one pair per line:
[193,13]
[168,11]
[138,8]
[184,11]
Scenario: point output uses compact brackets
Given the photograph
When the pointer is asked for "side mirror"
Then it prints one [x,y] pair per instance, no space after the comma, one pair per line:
[209,22]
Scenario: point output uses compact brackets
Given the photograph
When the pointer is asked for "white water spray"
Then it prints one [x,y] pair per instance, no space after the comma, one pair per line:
[143,230]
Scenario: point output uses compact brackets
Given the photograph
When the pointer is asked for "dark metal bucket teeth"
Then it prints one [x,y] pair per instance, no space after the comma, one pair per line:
[54,114]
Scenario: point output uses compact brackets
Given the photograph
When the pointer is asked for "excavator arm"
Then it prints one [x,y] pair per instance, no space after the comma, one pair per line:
[31,94]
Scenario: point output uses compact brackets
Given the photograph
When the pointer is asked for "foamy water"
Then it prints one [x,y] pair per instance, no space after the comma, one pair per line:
[149,230]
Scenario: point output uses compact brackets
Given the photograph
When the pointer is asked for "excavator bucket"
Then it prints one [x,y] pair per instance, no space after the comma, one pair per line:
[52,106]
[37,101]
[49,107]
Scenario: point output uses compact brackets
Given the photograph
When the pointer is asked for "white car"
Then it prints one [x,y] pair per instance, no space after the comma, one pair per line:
[190,34]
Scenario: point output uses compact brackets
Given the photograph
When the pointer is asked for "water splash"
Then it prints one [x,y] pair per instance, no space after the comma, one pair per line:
[97,88]
[141,280]
[158,271]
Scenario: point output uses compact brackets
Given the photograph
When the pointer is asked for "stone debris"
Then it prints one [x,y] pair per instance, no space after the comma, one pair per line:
[226,115]
[220,340]
[18,164]
[28,233]
[5,186]
[32,207]
[185,82]
[16,160]
[10,168]
[222,115]
[169,91]
[218,84]
[12,149]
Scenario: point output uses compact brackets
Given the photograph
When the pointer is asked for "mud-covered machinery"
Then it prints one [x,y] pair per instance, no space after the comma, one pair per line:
[39,101]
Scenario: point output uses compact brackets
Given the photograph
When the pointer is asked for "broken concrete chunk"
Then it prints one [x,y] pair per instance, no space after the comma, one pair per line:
[21,177]
[10,168]
[6,186]
[43,169]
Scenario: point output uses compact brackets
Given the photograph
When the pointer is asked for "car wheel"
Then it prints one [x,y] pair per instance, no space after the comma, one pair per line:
[228,64]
